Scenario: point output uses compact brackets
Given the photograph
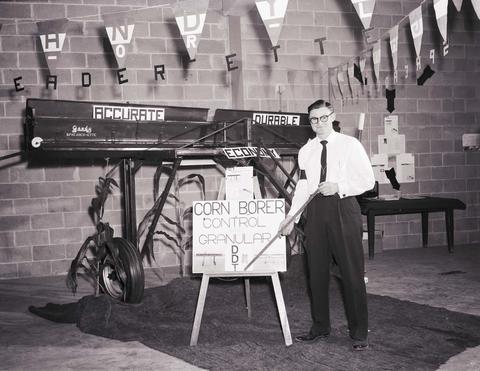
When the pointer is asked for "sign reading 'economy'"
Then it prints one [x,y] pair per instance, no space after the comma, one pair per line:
[228,234]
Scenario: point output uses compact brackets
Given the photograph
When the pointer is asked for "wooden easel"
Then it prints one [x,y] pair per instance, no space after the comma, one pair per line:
[246,275]
[278,298]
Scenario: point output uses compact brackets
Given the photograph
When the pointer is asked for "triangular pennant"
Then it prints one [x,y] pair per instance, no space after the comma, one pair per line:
[190,16]
[376,60]
[476,7]
[333,81]
[272,13]
[416,26]
[340,81]
[364,10]
[362,63]
[458,4]
[394,46]
[52,37]
[441,10]
[120,34]
[351,78]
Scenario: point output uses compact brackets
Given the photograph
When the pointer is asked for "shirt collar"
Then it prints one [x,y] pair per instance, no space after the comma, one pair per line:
[331,137]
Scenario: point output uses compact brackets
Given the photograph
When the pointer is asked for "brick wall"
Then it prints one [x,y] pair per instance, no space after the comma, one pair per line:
[43,208]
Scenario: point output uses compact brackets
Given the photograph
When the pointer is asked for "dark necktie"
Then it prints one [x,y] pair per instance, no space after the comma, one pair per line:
[323,162]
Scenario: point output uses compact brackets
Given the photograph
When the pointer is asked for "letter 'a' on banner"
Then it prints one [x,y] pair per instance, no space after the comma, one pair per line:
[441,10]
[120,34]
[272,13]
[476,7]
[458,4]
[190,16]
[52,37]
[416,27]
[394,46]
[364,10]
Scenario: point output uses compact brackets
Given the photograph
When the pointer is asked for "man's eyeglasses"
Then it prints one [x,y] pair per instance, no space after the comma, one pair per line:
[316,120]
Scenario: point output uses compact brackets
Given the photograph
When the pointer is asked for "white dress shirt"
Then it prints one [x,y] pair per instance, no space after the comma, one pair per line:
[347,165]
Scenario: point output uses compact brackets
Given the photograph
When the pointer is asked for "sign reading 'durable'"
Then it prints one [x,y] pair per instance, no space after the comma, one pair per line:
[228,234]
[275,119]
[128,113]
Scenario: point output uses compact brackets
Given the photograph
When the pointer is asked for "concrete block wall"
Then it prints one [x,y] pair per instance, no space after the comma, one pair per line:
[43,207]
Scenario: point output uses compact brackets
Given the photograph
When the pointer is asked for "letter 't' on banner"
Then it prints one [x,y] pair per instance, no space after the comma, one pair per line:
[52,37]
[190,16]
[364,10]
[272,13]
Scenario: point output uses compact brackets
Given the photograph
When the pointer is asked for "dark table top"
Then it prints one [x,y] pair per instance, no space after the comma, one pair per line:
[415,204]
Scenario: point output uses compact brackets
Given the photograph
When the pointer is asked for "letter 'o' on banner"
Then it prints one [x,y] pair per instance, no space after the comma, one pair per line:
[416,27]
[272,13]
[190,17]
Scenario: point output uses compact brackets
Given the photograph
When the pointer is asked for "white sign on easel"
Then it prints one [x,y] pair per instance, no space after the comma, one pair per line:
[239,183]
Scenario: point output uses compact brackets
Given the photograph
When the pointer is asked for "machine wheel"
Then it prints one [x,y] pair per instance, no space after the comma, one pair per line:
[124,279]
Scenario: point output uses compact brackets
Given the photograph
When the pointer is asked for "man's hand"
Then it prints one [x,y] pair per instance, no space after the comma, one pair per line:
[286,226]
[328,188]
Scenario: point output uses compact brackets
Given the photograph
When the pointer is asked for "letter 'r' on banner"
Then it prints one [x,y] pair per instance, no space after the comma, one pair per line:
[52,37]
[416,27]
[364,10]
[272,13]
[190,17]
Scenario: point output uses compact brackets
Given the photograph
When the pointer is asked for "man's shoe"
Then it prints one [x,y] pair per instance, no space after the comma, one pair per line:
[359,345]
[310,338]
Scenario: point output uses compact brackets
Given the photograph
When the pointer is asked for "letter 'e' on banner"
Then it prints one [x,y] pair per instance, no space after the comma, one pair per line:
[52,37]
[364,10]
[416,27]
[272,13]
[190,16]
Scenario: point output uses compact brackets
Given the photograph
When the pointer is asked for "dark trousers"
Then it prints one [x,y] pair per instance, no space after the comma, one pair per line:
[334,230]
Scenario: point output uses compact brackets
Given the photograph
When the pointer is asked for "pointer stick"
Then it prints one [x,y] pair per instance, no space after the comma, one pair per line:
[279,233]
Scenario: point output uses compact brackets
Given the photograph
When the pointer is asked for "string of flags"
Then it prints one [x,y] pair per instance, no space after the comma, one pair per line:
[190,18]
[356,66]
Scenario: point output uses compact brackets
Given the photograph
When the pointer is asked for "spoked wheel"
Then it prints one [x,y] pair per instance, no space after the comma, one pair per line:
[123,278]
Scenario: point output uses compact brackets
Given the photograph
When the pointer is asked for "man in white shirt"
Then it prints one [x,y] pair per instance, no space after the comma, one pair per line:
[339,167]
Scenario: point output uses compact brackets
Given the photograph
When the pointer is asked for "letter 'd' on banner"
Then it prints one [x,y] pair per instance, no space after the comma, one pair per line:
[416,26]
[364,10]
[190,16]
[272,13]
[52,37]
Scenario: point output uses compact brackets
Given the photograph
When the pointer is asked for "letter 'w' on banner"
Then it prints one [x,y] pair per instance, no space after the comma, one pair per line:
[416,26]
[120,34]
[458,4]
[190,16]
[441,9]
[272,13]
[394,45]
[364,10]
[52,37]
[476,7]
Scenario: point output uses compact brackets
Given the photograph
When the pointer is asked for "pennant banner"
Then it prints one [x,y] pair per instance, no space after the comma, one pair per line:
[351,78]
[120,36]
[394,46]
[416,26]
[376,60]
[362,63]
[364,10]
[52,37]
[190,16]
[272,13]
[458,4]
[476,7]
[441,10]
